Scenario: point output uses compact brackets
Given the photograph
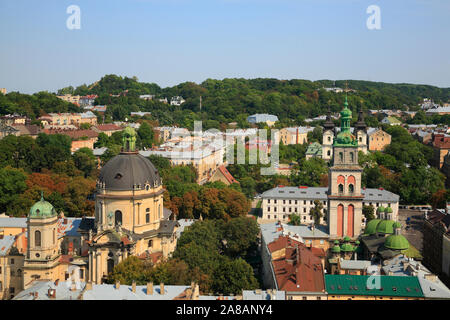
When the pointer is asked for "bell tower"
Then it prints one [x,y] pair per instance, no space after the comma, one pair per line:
[42,258]
[328,137]
[344,191]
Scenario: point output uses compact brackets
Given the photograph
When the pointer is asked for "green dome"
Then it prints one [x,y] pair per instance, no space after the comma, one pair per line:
[336,242]
[336,249]
[347,238]
[371,226]
[42,209]
[397,225]
[347,247]
[388,210]
[396,242]
[346,112]
[346,138]
[386,226]
[380,209]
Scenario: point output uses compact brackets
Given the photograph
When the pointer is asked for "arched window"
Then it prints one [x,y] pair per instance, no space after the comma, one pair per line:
[351,188]
[341,188]
[19,272]
[147,218]
[150,243]
[159,211]
[54,235]
[352,157]
[118,217]
[110,265]
[341,157]
[37,238]
[328,152]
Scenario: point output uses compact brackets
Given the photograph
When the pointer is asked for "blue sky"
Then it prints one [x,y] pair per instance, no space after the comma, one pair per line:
[172,41]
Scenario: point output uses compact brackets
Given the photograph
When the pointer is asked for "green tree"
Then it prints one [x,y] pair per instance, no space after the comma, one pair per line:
[12,184]
[85,161]
[233,276]
[146,135]
[368,212]
[295,219]
[316,212]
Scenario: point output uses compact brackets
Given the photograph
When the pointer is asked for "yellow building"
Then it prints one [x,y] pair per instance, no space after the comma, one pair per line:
[129,216]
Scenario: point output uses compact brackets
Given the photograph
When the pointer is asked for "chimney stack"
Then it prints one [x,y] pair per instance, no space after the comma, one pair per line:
[149,288]
[133,287]
[117,285]
[161,288]
[56,282]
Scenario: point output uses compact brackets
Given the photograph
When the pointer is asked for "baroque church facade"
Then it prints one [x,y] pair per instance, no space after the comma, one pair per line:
[130,219]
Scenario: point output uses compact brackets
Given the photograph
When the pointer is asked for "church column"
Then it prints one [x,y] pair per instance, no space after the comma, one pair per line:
[103,215]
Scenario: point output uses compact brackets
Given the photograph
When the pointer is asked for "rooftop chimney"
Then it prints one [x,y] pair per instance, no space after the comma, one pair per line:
[133,287]
[149,288]
[51,293]
[117,285]
[161,288]
[56,282]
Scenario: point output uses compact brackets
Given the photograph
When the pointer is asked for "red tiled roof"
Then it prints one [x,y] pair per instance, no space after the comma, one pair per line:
[227,175]
[299,270]
[107,127]
[74,134]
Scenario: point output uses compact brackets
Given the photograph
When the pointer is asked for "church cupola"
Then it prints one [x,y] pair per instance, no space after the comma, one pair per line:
[329,124]
[345,138]
[361,124]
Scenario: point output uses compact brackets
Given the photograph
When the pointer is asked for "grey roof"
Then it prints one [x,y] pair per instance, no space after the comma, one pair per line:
[124,171]
[68,227]
[355,264]
[434,290]
[270,231]
[99,151]
[316,193]
[320,193]
[439,109]
[263,295]
[5,244]
[41,287]
[12,222]
[183,224]
[124,292]
[261,117]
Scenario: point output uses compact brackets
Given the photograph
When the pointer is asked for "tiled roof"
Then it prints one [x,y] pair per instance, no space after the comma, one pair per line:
[391,286]
[74,134]
[107,127]
[28,129]
[299,270]
[271,231]
[227,175]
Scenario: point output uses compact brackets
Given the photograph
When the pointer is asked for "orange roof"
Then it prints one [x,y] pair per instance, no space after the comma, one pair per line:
[107,127]
[300,269]
[227,174]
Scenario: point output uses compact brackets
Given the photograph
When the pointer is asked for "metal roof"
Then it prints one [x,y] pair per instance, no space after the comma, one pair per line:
[354,285]
[263,295]
[124,292]
[270,231]
[41,287]
[12,222]
[5,244]
[320,193]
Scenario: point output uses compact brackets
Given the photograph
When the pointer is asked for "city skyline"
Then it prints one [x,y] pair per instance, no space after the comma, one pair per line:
[172,42]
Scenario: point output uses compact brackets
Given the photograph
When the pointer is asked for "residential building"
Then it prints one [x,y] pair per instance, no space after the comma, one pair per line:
[378,139]
[12,119]
[70,98]
[147,97]
[61,119]
[31,130]
[296,135]
[291,266]
[140,114]
[314,150]
[88,117]
[88,100]
[393,121]
[441,147]
[223,175]
[263,118]
[3,91]
[438,111]
[177,101]
[436,234]
[6,130]
[80,138]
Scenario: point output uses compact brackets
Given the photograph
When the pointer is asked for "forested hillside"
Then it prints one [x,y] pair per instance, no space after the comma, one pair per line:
[229,100]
